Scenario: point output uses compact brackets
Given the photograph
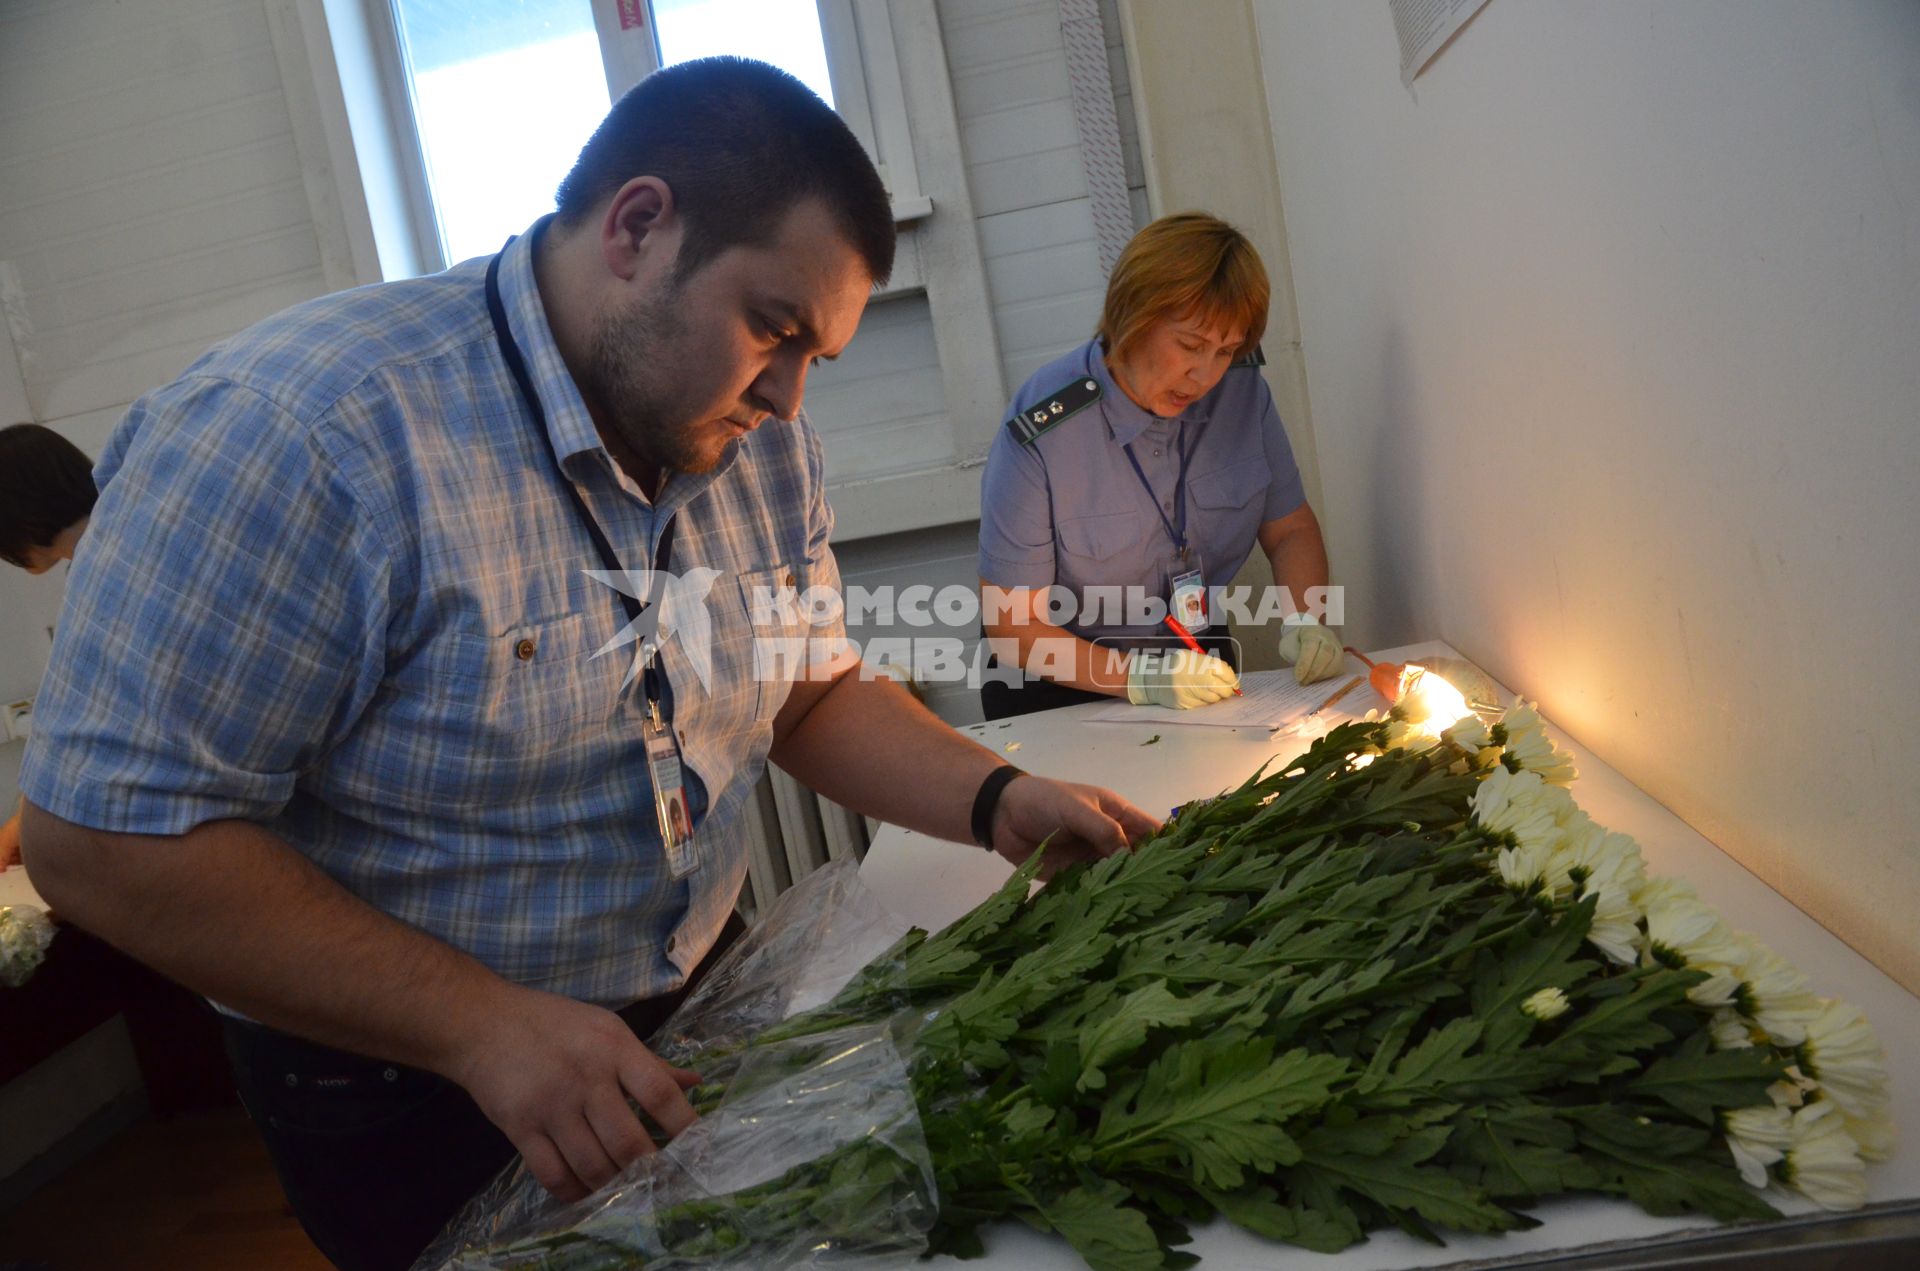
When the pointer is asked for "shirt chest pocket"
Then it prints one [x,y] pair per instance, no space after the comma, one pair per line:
[1225,488]
[774,653]
[1102,537]
[1227,504]
[489,713]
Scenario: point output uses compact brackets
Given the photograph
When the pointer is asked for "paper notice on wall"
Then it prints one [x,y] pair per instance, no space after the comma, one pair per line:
[1424,27]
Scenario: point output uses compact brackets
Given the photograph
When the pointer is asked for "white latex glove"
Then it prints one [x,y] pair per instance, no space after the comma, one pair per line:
[1179,678]
[1314,651]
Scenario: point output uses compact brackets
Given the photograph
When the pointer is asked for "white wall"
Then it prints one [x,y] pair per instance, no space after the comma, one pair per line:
[1612,328]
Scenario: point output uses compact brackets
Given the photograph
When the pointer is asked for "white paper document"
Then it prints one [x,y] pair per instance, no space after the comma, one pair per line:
[1270,699]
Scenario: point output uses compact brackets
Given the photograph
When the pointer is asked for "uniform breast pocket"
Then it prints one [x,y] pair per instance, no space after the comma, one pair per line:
[1102,537]
[1227,504]
[775,655]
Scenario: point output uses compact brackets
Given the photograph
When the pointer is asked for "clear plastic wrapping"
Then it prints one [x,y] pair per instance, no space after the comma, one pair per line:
[821,1128]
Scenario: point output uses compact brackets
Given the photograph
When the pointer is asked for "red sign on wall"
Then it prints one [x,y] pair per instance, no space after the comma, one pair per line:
[633,14]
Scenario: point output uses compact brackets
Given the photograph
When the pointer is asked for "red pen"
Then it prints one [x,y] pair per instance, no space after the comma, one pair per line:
[1186,638]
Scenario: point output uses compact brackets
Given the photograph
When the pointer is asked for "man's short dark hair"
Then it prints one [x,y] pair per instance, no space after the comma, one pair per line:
[740,143]
[46,484]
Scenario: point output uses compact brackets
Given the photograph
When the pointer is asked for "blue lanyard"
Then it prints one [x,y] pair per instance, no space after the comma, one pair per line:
[1177,527]
[653,684]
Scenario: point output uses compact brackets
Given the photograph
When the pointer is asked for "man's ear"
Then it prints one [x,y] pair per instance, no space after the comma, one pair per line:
[639,225]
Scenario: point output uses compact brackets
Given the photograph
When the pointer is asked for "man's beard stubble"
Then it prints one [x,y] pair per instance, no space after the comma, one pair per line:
[634,384]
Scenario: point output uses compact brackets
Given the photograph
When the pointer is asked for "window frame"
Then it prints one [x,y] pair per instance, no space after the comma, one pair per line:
[366,184]
[861,61]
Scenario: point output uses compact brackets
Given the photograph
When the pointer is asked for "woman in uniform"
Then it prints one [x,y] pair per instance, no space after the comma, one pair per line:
[1138,471]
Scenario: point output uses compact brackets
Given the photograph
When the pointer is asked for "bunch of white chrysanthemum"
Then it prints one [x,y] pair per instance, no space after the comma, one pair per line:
[25,934]
[1522,736]
[1832,1111]
[1549,845]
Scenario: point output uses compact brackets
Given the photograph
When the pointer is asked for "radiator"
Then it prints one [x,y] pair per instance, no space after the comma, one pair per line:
[792,832]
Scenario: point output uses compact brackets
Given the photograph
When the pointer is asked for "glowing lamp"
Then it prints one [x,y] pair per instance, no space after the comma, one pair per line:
[1425,699]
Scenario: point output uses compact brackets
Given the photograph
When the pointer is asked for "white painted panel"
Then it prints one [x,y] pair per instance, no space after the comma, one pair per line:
[153,201]
[881,407]
[81,256]
[1611,341]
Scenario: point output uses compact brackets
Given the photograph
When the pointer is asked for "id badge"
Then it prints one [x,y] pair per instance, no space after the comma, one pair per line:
[670,799]
[1189,603]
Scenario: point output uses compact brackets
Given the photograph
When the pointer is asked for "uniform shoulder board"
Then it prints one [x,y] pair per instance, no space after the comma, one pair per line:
[1255,358]
[1054,409]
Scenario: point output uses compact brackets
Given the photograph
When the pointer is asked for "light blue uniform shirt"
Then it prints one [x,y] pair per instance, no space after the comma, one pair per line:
[1068,508]
[334,585]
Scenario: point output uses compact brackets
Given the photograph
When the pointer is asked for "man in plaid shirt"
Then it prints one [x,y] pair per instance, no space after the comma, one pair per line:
[325,738]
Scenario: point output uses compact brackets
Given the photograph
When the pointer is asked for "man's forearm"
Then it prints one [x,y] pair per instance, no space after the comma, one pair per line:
[232,912]
[868,744]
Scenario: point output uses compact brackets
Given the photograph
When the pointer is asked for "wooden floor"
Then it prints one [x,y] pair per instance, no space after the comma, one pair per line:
[195,1193]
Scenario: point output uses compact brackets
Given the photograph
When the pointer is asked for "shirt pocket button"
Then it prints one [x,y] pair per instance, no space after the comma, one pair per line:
[524,649]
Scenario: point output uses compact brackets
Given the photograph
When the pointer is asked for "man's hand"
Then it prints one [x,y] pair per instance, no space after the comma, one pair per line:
[10,842]
[1085,822]
[1179,678]
[555,1075]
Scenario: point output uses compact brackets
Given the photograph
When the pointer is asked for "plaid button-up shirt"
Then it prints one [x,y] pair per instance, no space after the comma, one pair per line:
[334,585]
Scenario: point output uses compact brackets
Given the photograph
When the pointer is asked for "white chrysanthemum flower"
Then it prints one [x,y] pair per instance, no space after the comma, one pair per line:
[1521,805]
[1683,930]
[1824,1162]
[1720,988]
[1404,736]
[1758,1137]
[1599,856]
[1593,861]
[25,933]
[1845,1057]
[1616,924]
[1651,891]
[1875,1136]
[1522,868]
[1469,733]
[1548,1003]
[1791,1090]
[1774,995]
[1528,748]
[1730,1030]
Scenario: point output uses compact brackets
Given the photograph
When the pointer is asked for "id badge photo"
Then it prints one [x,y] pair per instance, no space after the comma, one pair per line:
[670,799]
[1189,602]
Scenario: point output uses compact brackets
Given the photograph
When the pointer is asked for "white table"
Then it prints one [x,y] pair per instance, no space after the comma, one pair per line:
[931,883]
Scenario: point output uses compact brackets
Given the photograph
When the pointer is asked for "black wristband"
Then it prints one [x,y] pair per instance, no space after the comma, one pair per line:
[988,799]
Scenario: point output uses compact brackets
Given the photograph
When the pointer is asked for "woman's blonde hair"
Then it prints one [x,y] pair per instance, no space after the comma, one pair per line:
[1186,265]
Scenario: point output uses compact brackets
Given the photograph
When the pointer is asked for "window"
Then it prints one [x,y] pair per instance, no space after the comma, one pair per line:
[498,96]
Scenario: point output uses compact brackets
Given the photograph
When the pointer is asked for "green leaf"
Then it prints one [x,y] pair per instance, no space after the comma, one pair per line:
[1612,1025]
[1667,1186]
[1219,1102]
[1102,1228]
[1542,961]
[1425,1190]
[1522,1152]
[1630,1137]
[1258,1210]
[1699,1082]
[1119,1030]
